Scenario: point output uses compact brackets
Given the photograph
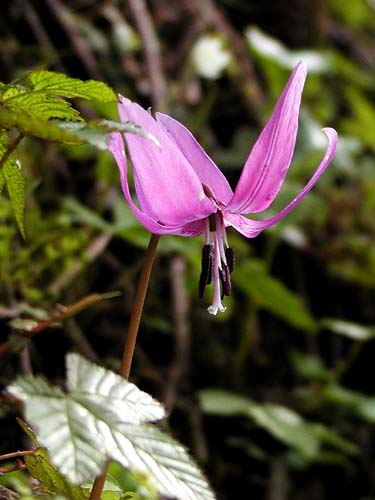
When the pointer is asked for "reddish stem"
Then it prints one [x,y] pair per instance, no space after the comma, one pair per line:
[131,339]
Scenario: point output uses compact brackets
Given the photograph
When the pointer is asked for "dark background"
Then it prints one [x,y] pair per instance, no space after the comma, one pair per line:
[282,340]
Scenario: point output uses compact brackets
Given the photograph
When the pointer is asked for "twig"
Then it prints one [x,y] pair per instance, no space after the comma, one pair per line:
[131,339]
[41,34]
[93,251]
[78,338]
[181,301]
[151,47]
[244,74]
[15,454]
[63,14]
[25,359]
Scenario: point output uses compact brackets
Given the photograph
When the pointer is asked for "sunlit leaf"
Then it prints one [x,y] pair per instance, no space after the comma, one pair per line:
[103,417]
[274,50]
[349,329]
[62,85]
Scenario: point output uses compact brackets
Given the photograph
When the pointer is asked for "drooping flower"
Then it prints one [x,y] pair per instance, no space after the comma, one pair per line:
[181,191]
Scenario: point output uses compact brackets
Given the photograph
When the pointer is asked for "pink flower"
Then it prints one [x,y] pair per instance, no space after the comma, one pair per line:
[181,191]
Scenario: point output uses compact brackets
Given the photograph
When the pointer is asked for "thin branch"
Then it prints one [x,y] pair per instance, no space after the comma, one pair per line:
[143,21]
[41,35]
[81,45]
[93,251]
[180,301]
[244,74]
[15,454]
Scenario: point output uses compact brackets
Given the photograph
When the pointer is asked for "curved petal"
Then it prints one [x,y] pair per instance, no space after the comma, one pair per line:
[269,160]
[204,167]
[116,146]
[167,187]
[251,228]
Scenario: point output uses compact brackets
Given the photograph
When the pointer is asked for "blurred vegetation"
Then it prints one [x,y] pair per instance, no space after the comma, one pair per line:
[276,396]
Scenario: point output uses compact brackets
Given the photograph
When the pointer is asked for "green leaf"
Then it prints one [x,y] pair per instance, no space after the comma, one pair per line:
[35,126]
[281,422]
[41,469]
[42,106]
[272,49]
[349,329]
[111,489]
[271,294]
[103,416]
[12,177]
[65,86]
[310,367]
[95,132]
[359,404]
[41,93]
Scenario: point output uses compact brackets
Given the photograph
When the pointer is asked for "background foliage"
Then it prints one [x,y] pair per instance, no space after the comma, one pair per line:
[276,396]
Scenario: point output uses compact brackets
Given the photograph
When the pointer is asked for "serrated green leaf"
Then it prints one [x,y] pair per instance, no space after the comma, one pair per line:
[12,177]
[43,106]
[35,126]
[147,449]
[95,132]
[65,86]
[100,418]
[2,181]
[40,468]
[271,294]
[99,390]
[28,431]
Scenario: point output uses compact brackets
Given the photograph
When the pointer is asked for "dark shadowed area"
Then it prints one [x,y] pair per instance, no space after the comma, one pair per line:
[275,397]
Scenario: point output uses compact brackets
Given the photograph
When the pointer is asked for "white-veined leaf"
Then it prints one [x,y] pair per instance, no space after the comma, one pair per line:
[103,391]
[103,417]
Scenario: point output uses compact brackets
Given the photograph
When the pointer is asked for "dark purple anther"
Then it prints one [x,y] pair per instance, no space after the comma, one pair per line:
[229,255]
[206,273]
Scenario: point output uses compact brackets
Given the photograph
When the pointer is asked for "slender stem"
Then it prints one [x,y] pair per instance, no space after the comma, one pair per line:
[17,454]
[137,309]
[131,339]
[12,146]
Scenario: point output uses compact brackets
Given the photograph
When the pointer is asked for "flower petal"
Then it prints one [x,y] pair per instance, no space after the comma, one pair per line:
[167,187]
[116,146]
[204,167]
[269,160]
[251,228]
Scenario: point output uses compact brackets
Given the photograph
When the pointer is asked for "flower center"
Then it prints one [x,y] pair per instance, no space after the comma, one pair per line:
[217,262]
